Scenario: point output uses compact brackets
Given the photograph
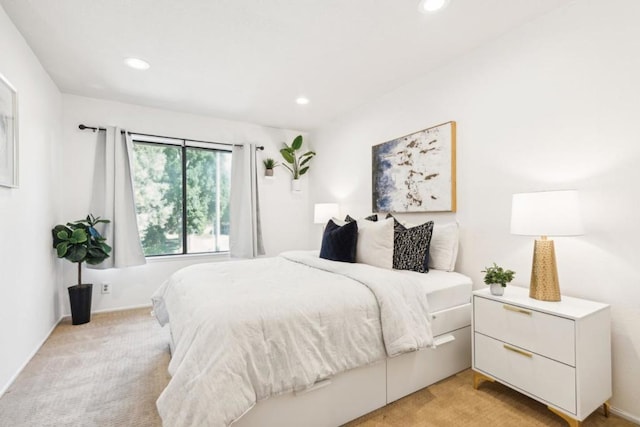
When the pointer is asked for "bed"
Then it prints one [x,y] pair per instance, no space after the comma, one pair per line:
[312,342]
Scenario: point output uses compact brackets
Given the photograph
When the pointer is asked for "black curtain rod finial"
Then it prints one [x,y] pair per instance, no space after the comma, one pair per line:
[83,127]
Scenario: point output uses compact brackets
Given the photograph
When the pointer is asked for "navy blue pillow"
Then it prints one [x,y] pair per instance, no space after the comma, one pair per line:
[339,243]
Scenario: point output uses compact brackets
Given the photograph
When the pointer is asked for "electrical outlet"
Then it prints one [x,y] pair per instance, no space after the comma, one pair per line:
[106,288]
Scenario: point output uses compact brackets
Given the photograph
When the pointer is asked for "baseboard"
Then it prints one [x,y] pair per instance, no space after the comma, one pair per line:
[33,353]
[129,307]
[111,310]
[627,416]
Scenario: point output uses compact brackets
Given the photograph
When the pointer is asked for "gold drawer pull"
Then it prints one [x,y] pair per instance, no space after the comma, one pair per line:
[517,350]
[516,309]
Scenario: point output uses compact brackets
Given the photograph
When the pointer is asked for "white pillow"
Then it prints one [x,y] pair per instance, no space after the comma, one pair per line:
[337,221]
[375,243]
[443,250]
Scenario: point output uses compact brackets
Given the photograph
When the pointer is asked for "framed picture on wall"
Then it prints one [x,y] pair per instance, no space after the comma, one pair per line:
[8,134]
[416,172]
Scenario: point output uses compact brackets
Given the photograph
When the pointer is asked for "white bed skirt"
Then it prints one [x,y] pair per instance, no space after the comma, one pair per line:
[356,392]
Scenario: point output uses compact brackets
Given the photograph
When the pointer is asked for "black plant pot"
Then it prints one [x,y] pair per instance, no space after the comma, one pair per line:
[80,299]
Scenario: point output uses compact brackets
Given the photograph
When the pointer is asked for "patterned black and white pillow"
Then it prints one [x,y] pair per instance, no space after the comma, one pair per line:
[397,227]
[411,246]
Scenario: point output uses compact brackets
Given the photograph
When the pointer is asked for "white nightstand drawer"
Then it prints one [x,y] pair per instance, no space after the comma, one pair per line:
[545,334]
[546,379]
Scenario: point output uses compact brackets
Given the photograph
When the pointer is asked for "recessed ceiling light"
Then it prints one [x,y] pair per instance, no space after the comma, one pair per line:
[301,100]
[137,63]
[429,6]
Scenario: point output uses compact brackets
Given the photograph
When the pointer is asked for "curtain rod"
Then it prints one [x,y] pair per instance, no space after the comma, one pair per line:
[97,129]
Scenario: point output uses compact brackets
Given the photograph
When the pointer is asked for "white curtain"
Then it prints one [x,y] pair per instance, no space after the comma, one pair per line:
[245,234]
[113,199]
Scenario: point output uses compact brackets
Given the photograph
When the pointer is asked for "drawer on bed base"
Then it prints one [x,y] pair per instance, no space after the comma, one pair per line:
[327,404]
[451,319]
[413,371]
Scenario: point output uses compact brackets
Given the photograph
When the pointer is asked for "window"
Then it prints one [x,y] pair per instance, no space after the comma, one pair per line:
[182,195]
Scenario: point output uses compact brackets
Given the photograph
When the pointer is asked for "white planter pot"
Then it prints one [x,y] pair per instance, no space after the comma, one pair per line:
[496,289]
[295,185]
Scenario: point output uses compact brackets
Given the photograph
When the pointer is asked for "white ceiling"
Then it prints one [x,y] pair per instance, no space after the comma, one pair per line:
[249,60]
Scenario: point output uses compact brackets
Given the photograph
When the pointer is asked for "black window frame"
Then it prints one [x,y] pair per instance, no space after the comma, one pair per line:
[184,145]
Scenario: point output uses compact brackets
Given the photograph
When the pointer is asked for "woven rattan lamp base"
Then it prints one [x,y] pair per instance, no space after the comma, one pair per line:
[544,272]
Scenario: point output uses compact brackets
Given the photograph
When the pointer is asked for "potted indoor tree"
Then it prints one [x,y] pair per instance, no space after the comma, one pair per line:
[269,165]
[497,278]
[79,242]
[297,164]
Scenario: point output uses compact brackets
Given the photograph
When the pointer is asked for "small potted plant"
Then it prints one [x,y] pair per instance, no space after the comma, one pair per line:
[297,165]
[269,165]
[80,242]
[497,278]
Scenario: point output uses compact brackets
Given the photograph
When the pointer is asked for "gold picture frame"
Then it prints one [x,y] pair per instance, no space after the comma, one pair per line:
[416,172]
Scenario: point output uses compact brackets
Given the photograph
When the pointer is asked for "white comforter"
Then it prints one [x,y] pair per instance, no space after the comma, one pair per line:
[247,330]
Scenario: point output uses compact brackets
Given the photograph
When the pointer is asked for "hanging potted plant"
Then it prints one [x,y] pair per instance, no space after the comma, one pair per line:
[80,242]
[297,165]
[497,278]
[269,165]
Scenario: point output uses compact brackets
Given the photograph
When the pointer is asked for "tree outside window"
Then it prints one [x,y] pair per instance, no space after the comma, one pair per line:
[182,198]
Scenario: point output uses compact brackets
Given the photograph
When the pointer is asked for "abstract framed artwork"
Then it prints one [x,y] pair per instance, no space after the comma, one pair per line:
[8,134]
[416,172]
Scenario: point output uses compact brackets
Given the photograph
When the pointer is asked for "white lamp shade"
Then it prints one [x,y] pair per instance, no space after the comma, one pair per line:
[323,212]
[546,213]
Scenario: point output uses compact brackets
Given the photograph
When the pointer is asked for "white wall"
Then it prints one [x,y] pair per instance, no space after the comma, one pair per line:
[29,273]
[551,105]
[286,216]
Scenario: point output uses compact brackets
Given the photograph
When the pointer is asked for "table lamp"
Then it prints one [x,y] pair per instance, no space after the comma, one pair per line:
[323,212]
[546,213]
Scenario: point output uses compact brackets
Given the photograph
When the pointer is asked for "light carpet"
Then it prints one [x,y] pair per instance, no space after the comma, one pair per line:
[111,371]
[108,372]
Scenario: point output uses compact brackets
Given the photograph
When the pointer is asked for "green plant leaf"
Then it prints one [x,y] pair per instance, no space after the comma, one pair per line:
[304,170]
[97,220]
[308,153]
[287,156]
[305,161]
[61,249]
[76,253]
[55,234]
[78,236]
[297,142]
[96,256]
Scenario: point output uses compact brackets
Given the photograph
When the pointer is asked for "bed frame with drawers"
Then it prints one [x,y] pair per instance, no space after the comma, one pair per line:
[356,392]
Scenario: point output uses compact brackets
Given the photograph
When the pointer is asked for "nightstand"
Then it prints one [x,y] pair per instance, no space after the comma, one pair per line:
[558,353]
